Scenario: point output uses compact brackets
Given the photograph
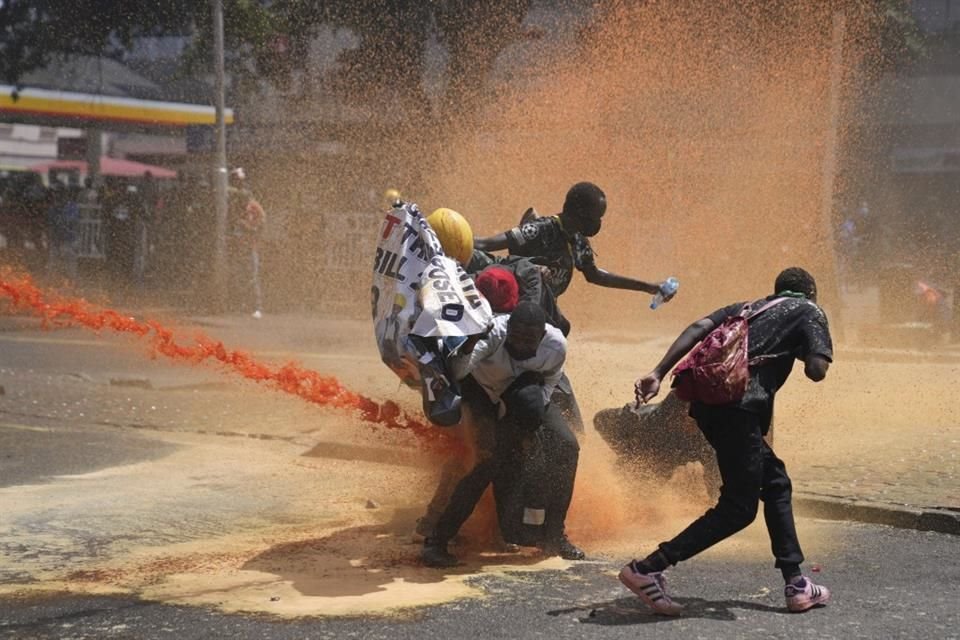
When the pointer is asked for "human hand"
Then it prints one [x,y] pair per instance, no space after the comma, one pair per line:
[646,388]
[467,347]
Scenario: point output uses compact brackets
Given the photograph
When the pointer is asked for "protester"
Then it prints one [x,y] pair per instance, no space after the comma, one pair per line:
[508,381]
[503,290]
[491,271]
[494,280]
[557,245]
[456,239]
[794,328]
[560,243]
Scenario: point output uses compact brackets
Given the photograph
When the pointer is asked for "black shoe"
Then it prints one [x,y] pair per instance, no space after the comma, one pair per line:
[564,548]
[434,554]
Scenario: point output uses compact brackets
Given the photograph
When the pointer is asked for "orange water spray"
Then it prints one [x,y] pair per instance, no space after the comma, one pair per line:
[290,378]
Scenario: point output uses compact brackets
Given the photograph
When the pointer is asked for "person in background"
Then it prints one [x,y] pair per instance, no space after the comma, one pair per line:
[90,195]
[247,220]
[63,215]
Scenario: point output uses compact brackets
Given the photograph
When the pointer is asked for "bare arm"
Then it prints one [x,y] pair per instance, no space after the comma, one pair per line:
[815,367]
[596,275]
[647,387]
[491,243]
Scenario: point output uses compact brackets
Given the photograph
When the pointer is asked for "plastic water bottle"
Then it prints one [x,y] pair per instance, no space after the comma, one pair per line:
[668,288]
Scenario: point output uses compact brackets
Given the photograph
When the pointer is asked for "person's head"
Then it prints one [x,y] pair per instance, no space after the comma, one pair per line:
[499,286]
[525,330]
[796,280]
[237,175]
[454,233]
[583,208]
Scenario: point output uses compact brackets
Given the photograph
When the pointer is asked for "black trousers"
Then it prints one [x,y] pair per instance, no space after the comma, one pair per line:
[501,467]
[750,472]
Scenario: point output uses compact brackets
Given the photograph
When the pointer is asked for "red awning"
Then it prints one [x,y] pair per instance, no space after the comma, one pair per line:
[109,167]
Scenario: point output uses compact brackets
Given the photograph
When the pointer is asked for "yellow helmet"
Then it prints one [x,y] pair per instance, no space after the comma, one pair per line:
[454,233]
[399,301]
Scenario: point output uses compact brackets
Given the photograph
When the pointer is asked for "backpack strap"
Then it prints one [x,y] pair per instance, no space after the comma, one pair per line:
[758,360]
[748,313]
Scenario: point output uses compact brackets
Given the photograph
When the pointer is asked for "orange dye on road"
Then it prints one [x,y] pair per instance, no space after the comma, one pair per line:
[291,378]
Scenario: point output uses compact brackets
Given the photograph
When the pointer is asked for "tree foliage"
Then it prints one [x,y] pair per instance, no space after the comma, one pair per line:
[271,39]
[34,31]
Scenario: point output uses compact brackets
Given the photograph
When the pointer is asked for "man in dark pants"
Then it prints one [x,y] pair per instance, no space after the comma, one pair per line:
[794,328]
[507,383]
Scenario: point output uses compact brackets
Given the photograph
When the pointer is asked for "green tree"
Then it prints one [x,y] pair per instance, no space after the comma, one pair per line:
[271,39]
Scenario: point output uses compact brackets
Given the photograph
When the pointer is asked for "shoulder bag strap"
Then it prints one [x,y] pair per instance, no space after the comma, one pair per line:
[771,303]
[770,356]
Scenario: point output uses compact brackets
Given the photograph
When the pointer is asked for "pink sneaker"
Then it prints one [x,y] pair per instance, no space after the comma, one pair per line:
[802,594]
[652,589]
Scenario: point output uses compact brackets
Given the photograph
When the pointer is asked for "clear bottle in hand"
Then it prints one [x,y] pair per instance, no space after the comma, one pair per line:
[667,288]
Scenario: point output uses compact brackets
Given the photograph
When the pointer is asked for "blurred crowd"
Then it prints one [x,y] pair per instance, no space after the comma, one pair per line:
[126,234]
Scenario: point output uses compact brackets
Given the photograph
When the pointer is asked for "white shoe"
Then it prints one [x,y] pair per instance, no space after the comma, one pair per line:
[652,589]
[257,314]
[802,594]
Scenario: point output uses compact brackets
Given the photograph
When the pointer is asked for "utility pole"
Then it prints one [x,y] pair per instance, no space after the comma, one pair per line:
[832,286]
[220,165]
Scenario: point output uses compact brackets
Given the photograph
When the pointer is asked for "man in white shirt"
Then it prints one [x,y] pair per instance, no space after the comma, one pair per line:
[507,383]
[514,345]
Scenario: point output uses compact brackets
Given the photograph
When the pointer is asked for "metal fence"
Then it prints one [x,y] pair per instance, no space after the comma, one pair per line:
[90,235]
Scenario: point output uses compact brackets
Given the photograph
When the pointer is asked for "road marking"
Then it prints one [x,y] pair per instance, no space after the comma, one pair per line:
[62,341]
[22,427]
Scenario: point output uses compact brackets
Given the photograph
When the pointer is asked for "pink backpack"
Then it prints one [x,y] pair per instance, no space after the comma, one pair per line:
[718,369]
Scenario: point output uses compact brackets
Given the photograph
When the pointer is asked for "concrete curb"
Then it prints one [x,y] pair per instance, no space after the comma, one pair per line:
[900,516]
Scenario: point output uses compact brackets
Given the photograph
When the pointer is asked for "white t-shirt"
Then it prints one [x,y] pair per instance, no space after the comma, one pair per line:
[495,370]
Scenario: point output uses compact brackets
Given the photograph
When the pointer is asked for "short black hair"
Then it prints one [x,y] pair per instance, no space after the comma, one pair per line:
[585,200]
[529,314]
[796,279]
